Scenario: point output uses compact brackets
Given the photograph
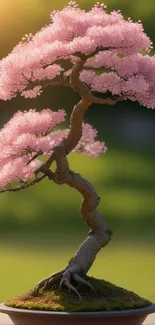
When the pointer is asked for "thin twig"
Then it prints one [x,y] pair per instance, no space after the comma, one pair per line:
[23,186]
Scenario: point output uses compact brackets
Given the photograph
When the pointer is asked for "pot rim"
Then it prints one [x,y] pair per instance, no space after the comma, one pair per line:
[137,311]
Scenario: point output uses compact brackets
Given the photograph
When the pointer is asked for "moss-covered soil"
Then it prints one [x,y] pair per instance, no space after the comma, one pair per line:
[106,297]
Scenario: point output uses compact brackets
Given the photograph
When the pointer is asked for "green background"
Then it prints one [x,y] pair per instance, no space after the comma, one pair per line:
[40,228]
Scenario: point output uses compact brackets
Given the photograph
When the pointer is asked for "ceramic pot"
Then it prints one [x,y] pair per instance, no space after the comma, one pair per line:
[38,317]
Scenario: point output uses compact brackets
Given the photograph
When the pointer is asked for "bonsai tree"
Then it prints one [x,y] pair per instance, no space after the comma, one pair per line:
[109,55]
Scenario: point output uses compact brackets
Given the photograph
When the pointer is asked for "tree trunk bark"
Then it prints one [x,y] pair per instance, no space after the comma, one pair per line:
[98,237]
[100,234]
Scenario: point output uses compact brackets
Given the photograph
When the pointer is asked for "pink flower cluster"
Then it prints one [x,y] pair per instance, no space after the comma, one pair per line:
[87,143]
[24,136]
[73,30]
[28,135]
[132,76]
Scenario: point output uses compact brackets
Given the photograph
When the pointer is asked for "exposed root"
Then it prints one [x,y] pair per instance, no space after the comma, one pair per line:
[47,282]
[80,280]
[66,282]
[65,277]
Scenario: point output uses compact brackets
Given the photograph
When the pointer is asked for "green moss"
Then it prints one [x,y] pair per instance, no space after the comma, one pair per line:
[106,297]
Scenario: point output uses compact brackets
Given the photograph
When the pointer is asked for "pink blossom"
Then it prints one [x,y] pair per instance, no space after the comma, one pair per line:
[87,76]
[95,149]
[71,31]
[137,84]
[107,82]
[31,122]
[18,169]
[72,4]
[29,133]
[132,76]
[49,72]
[88,144]
[32,93]
[126,37]
[105,59]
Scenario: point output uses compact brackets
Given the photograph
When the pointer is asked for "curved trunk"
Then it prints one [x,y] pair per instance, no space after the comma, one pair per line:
[76,125]
[79,109]
[99,235]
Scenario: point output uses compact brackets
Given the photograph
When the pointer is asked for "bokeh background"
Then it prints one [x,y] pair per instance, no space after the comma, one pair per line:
[40,227]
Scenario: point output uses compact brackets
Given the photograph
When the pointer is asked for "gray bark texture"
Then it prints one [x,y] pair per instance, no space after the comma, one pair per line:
[98,237]
[100,234]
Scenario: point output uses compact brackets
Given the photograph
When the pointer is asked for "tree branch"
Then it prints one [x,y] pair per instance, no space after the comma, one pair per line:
[46,83]
[106,101]
[23,185]
[79,109]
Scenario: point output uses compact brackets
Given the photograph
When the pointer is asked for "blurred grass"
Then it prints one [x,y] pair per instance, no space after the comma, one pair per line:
[125,181]
[131,267]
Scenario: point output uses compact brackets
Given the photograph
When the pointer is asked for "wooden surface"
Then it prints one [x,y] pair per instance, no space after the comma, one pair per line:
[5,320]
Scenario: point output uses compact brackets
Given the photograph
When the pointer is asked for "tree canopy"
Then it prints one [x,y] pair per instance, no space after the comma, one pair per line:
[107,53]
